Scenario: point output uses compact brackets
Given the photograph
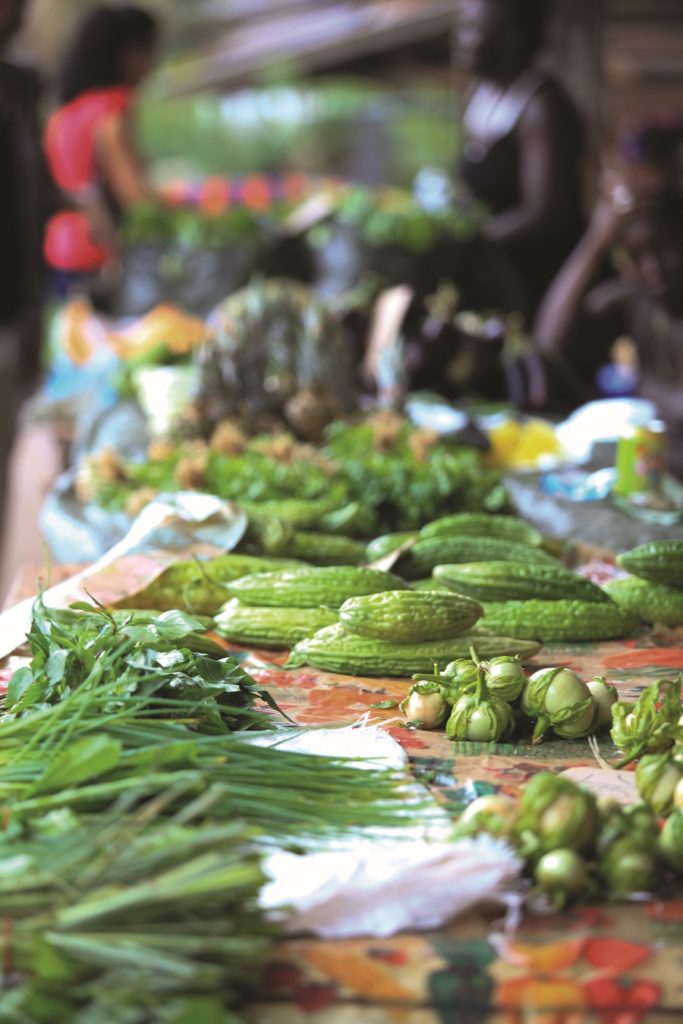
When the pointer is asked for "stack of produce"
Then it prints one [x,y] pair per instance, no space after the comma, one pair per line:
[577,847]
[493,700]
[401,632]
[654,590]
[278,609]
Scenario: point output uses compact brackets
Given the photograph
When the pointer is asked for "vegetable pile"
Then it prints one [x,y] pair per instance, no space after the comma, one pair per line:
[654,591]
[577,847]
[493,700]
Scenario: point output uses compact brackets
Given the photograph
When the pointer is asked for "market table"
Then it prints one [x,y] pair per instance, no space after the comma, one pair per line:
[608,964]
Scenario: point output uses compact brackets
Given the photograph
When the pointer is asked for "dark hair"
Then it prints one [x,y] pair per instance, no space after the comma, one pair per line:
[94,59]
[529,17]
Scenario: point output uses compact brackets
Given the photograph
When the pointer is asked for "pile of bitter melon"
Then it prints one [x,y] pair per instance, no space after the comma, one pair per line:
[466,580]
[654,590]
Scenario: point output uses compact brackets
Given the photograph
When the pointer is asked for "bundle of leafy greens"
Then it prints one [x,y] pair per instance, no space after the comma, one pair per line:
[134,816]
[401,477]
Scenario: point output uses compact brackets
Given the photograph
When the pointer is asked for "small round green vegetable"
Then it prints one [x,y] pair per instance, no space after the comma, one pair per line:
[604,695]
[557,697]
[630,866]
[495,814]
[425,706]
[657,777]
[505,677]
[556,813]
[562,874]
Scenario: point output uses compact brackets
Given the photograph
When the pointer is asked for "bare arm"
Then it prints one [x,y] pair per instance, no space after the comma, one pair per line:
[564,301]
[545,157]
[121,165]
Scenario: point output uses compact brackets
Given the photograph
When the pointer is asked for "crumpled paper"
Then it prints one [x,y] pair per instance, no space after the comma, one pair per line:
[378,883]
[190,522]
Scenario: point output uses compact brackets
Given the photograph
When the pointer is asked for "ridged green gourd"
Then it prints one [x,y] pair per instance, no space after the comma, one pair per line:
[512,581]
[199,587]
[660,561]
[312,587]
[481,524]
[300,513]
[335,649]
[429,552]
[408,615]
[269,627]
[569,620]
[325,548]
[651,602]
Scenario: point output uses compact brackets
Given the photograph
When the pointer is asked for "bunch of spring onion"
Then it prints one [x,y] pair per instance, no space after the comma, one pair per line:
[130,916]
[492,701]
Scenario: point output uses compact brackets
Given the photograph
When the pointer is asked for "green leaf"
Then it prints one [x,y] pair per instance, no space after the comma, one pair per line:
[18,686]
[385,705]
[55,666]
[79,762]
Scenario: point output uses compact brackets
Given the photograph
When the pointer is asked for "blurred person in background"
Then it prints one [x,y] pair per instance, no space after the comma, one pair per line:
[522,156]
[578,324]
[90,141]
[22,205]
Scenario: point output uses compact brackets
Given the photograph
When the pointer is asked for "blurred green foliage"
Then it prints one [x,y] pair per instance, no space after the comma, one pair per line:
[310,127]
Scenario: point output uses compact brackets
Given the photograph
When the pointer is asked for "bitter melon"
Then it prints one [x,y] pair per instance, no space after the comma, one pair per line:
[407,615]
[325,548]
[651,602]
[431,551]
[481,524]
[312,587]
[569,620]
[513,581]
[269,627]
[660,561]
[335,649]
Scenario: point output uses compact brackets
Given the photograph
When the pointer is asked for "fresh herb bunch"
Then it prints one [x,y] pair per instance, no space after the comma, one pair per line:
[400,482]
[129,654]
[110,707]
[408,485]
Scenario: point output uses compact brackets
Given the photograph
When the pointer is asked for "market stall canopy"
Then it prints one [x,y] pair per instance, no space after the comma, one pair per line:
[251,38]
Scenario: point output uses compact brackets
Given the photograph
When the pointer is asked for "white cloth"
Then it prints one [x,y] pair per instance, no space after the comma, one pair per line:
[381,882]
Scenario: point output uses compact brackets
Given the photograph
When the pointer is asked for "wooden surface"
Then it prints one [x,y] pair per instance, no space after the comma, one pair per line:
[618,964]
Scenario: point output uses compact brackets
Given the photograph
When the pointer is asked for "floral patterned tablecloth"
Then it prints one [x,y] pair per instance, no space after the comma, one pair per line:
[620,964]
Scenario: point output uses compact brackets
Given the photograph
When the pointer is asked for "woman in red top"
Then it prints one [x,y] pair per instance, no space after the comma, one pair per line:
[89,141]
